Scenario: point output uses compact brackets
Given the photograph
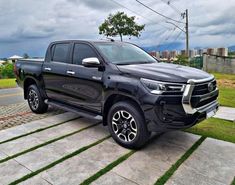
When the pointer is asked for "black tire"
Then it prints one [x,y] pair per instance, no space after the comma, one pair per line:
[35,100]
[126,132]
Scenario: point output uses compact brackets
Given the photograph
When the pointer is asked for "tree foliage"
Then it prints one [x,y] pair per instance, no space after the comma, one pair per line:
[6,71]
[120,24]
[183,60]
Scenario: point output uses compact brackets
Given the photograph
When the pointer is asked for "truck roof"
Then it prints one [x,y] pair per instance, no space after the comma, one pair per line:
[89,41]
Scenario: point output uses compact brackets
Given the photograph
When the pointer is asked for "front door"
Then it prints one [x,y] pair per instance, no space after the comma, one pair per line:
[85,83]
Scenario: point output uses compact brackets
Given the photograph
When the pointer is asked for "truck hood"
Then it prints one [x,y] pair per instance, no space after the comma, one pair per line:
[163,72]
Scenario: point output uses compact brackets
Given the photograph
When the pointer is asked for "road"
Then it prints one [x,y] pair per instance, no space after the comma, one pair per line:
[11,96]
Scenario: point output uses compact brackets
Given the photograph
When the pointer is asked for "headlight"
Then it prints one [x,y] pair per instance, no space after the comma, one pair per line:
[156,87]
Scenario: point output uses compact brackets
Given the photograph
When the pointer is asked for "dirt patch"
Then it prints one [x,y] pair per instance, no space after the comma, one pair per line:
[226,83]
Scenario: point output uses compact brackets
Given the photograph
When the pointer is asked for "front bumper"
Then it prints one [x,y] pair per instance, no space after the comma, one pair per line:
[170,112]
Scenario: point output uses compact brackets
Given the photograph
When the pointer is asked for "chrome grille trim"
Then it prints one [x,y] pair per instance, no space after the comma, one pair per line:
[187,95]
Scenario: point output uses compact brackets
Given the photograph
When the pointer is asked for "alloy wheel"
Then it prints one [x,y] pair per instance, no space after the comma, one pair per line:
[33,99]
[124,126]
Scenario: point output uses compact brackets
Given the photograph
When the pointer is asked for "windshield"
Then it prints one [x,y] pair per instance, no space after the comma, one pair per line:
[124,53]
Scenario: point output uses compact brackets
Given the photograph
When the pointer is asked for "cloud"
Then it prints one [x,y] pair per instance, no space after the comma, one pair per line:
[100,4]
[26,23]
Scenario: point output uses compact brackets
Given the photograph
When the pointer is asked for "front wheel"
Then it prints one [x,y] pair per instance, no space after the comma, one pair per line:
[127,125]
[35,100]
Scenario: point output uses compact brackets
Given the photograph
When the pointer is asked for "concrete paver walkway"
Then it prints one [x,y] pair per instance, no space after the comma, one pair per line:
[211,163]
[227,113]
[150,163]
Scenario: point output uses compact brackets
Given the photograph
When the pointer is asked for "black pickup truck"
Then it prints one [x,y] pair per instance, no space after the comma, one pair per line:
[120,84]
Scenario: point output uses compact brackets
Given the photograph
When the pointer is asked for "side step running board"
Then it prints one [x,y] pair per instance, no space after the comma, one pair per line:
[69,108]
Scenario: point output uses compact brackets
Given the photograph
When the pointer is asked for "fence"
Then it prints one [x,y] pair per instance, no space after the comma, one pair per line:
[219,64]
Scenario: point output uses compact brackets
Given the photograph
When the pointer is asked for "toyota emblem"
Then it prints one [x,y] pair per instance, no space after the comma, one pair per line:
[210,87]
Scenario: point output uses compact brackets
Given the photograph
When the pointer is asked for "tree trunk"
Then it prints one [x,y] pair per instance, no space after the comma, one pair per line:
[120,36]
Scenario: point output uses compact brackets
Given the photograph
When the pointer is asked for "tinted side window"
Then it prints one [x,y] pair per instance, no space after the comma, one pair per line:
[60,52]
[82,51]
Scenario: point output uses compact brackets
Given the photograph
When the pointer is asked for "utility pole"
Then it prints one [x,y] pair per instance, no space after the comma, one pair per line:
[187,34]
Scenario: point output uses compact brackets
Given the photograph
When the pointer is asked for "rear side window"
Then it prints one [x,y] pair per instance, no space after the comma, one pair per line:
[82,51]
[60,52]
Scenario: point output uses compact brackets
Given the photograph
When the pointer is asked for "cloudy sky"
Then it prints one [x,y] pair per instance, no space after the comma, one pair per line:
[28,26]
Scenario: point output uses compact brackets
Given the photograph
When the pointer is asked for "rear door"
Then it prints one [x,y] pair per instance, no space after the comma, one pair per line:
[85,83]
[55,71]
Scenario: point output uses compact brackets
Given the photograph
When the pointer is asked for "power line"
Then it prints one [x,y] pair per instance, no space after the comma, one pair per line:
[158,12]
[175,38]
[166,38]
[182,29]
[172,6]
[137,13]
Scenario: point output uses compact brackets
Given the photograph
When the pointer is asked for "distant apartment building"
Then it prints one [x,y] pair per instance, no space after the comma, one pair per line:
[222,52]
[155,54]
[211,51]
[183,52]
[217,51]
[192,53]
[173,54]
[200,52]
[152,53]
[165,54]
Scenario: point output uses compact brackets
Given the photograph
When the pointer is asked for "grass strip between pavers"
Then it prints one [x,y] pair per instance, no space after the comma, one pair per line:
[163,179]
[46,143]
[233,182]
[37,130]
[32,174]
[107,168]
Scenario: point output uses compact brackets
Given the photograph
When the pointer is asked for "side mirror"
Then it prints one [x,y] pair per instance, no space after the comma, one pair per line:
[91,62]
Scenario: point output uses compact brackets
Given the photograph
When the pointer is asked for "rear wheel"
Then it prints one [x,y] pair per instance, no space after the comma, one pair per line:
[35,100]
[127,125]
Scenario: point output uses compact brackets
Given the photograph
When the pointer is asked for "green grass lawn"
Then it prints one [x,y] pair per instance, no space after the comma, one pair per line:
[227,96]
[220,76]
[226,83]
[215,128]
[7,83]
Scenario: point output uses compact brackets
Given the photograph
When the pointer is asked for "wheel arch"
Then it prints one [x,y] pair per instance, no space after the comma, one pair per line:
[30,81]
[114,98]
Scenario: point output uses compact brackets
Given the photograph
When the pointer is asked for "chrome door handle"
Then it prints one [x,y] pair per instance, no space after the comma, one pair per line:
[71,72]
[47,68]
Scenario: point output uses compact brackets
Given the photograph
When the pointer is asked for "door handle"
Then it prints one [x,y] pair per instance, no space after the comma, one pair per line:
[71,72]
[47,68]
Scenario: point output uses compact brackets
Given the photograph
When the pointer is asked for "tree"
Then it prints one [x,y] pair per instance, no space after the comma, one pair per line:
[25,55]
[183,60]
[7,71]
[120,24]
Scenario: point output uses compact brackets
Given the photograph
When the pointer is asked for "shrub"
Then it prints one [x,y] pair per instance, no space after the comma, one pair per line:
[7,71]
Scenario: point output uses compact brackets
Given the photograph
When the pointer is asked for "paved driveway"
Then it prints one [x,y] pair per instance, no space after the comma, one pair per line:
[67,149]
[11,96]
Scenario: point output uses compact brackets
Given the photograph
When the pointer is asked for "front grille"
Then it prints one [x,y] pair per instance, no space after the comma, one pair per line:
[203,94]
[201,89]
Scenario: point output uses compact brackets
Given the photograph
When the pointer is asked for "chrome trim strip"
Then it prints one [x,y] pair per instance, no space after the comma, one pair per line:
[193,81]
[187,95]
[186,99]
[205,82]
